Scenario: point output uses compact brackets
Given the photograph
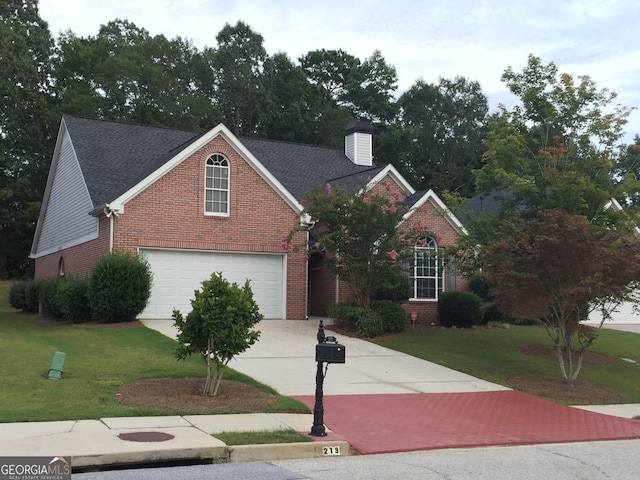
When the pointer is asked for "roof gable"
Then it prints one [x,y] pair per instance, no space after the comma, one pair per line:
[418,199]
[118,160]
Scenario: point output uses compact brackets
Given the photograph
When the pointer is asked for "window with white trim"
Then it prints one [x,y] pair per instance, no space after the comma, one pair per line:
[216,186]
[427,273]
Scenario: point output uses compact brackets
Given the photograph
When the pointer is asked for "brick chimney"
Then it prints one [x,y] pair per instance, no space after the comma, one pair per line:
[357,143]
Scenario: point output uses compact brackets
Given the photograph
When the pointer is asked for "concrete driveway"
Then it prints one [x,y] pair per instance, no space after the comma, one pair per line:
[284,359]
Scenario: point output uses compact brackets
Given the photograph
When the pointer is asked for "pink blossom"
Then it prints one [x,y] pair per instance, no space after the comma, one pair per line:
[284,243]
[397,197]
[421,242]
[387,187]
[418,228]
[316,245]
[393,209]
[393,255]
[329,191]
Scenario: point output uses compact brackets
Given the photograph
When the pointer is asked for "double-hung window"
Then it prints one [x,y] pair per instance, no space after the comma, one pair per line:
[216,188]
[427,275]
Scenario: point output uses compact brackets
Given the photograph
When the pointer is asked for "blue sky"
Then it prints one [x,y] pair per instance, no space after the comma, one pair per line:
[424,39]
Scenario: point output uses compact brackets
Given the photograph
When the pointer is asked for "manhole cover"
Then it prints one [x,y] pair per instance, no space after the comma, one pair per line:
[145,437]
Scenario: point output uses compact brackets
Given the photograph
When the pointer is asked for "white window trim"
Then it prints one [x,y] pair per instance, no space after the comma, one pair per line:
[431,245]
[228,189]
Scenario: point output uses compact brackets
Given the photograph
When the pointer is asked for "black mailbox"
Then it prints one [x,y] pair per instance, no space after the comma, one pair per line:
[330,353]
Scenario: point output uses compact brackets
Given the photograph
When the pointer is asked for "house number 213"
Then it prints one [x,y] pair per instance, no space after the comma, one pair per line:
[331,450]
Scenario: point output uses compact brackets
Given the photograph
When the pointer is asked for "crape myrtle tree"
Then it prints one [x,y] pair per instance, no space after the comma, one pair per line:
[219,326]
[358,233]
[558,270]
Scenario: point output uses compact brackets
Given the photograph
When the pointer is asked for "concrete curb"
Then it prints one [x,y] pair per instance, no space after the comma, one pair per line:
[288,451]
[210,455]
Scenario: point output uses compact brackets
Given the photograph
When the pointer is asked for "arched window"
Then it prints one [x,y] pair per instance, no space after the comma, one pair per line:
[216,186]
[61,267]
[426,276]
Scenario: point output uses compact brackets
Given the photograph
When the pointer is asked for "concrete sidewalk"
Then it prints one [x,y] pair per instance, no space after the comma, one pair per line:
[130,441]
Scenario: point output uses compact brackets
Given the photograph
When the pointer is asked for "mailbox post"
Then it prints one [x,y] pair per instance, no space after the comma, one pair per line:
[328,350]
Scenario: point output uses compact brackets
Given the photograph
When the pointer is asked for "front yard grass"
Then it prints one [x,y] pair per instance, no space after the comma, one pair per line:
[496,354]
[100,358]
[260,438]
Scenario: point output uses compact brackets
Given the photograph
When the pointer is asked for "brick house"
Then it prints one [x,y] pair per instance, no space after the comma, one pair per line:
[194,203]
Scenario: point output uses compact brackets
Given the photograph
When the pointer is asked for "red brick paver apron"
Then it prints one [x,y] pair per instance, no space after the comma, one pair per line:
[406,422]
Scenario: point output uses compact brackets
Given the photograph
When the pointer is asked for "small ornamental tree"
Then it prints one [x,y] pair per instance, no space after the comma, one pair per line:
[358,234]
[219,326]
[558,269]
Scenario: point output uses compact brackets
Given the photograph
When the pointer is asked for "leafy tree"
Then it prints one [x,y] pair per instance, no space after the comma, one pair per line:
[238,65]
[26,138]
[445,124]
[557,149]
[219,326]
[628,172]
[123,73]
[559,268]
[358,234]
[296,109]
[364,89]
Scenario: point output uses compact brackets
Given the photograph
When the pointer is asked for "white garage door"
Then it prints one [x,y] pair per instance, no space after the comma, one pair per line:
[178,273]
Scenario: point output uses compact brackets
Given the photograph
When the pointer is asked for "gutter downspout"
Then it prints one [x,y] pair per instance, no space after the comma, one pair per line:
[307,222]
[111,214]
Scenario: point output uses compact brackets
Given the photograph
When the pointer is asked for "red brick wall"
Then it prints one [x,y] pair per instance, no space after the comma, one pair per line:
[170,214]
[437,227]
[78,260]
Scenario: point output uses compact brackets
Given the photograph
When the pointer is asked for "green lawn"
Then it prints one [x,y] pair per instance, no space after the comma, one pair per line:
[494,354]
[100,358]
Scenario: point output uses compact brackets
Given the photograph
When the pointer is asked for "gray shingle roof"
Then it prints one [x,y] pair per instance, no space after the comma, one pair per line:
[116,156]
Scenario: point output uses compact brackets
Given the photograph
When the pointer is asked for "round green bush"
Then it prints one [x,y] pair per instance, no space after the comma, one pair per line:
[31,296]
[393,315]
[344,315]
[73,301]
[369,323]
[459,309]
[49,296]
[17,296]
[119,287]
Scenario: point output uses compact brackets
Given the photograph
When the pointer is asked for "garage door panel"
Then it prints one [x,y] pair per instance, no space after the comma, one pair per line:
[177,274]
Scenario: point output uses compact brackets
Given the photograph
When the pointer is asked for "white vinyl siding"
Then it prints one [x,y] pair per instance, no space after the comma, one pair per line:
[67,222]
[178,273]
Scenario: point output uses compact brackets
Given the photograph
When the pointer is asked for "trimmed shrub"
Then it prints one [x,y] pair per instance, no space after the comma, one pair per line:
[459,309]
[49,296]
[344,315]
[73,301]
[369,323]
[17,296]
[119,287]
[31,296]
[393,315]
[391,284]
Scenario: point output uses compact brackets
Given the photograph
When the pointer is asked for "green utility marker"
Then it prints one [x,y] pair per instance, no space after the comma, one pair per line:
[57,364]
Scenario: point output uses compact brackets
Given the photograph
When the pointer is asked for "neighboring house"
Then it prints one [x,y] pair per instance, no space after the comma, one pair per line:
[196,203]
